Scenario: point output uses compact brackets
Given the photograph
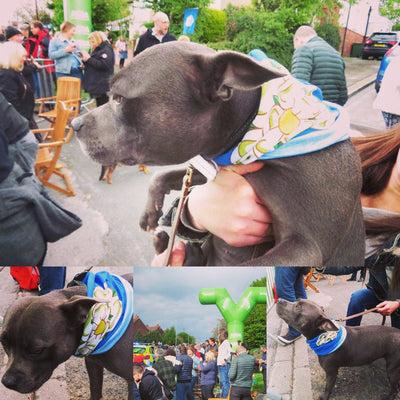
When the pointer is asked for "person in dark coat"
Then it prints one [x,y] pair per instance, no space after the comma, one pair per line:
[317,62]
[29,217]
[149,385]
[15,83]
[184,375]
[99,67]
[159,34]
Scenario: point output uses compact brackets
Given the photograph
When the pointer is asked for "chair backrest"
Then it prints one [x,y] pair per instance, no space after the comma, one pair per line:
[60,124]
[68,88]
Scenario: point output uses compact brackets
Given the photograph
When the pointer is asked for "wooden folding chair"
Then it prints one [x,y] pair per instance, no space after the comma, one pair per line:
[68,91]
[307,281]
[49,152]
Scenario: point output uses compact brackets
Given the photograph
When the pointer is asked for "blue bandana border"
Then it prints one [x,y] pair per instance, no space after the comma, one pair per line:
[124,291]
[328,342]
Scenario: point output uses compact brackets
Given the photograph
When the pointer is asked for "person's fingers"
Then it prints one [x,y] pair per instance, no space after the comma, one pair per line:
[245,169]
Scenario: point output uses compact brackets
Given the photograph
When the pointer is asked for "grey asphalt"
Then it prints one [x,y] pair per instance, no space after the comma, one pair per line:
[110,234]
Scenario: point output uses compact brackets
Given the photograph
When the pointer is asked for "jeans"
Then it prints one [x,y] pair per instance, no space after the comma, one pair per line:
[289,286]
[224,379]
[183,391]
[240,393]
[75,72]
[51,278]
[365,299]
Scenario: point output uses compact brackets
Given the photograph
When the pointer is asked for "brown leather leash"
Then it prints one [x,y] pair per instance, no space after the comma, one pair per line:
[361,313]
[186,183]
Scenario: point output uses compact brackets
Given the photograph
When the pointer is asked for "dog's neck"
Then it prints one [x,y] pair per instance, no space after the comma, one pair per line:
[238,133]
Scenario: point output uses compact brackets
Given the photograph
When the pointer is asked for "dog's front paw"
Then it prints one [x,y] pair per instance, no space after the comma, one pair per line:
[160,241]
[149,219]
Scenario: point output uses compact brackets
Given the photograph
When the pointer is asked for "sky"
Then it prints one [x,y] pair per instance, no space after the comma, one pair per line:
[170,296]
[9,7]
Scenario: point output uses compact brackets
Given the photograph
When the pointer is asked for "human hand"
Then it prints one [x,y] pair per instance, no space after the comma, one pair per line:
[229,208]
[84,55]
[387,307]
[70,48]
[177,256]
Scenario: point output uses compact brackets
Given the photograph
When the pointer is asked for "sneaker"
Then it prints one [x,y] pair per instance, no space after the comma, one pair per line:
[289,338]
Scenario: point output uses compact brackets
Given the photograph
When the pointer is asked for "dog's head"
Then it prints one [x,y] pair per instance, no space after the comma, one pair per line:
[172,102]
[305,316]
[38,334]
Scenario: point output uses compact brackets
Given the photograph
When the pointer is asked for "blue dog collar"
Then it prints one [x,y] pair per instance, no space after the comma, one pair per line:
[107,320]
[292,119]
[328,342]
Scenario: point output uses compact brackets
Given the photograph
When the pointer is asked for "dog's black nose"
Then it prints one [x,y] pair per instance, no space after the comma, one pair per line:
[9,381]
[77,124]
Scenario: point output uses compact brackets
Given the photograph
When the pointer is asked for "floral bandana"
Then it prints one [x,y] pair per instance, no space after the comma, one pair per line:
[107,320]
[328,342]
[292,119]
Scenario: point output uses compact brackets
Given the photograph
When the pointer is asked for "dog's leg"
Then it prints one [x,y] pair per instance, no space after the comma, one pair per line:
[95,372]
[393,373]
[160,185]
[331,375]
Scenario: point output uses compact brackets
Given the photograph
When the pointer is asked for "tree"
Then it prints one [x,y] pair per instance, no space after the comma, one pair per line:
[103,11]
[27,13]
[390,9]
[255,328]
[183,337]
[175,9]
[169,336]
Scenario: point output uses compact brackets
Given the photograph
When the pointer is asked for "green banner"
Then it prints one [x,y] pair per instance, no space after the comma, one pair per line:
[79,12]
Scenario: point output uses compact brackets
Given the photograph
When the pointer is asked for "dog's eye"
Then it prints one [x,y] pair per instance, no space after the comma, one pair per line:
[117,98]
[36,350]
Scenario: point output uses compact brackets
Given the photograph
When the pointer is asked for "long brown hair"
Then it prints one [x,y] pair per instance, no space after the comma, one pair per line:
[378,155]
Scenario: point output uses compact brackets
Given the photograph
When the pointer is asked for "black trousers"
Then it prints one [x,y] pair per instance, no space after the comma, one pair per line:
[240,393]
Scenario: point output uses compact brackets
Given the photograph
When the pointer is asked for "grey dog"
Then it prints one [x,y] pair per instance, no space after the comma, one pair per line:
[179,100]
[39,333]
[362,344]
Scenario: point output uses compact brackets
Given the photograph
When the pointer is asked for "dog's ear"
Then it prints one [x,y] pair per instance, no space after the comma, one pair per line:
[328,325]
[77,308]
[228,70]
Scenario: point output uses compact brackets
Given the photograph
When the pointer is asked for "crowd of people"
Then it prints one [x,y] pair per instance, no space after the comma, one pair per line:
[179,371]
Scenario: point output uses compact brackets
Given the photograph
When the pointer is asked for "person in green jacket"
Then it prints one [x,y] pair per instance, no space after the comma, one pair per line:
[241,374]
[317,62]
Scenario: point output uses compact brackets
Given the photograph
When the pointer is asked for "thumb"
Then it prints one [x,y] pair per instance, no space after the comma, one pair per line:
[245,169]
[178,254]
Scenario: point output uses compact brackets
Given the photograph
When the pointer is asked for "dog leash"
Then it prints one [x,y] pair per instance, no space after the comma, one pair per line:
[187,181]
[360,314]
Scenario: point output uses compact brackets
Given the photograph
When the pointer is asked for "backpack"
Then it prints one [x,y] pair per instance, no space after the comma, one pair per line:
[27,277]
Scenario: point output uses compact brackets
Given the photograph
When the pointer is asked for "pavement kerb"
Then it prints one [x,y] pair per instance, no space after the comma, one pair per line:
[357,87]
[290,370]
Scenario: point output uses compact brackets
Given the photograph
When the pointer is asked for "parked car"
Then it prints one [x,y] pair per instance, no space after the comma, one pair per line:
[391,53]
[143,352]
[378,44]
